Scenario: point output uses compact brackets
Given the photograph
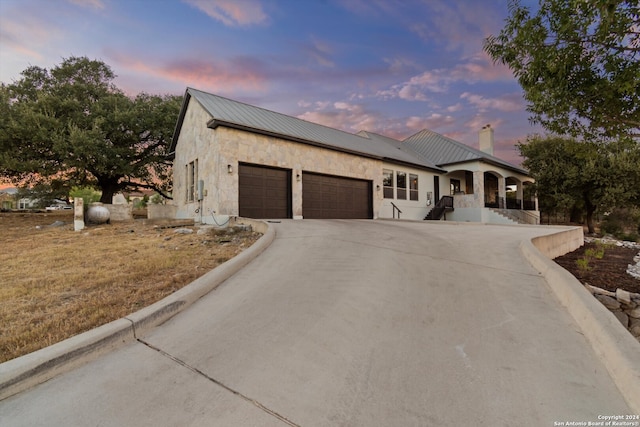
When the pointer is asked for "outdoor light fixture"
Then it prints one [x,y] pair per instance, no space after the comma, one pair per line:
[230,168]
[298,177]
[378,187]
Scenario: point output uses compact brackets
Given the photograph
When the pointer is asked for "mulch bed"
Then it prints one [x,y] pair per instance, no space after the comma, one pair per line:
[608,273]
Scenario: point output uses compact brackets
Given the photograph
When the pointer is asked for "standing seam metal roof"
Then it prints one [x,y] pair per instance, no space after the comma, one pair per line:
[227,112]
[425,149]
[445,151]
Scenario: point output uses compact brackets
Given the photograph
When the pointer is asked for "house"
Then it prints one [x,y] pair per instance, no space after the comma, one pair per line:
[483,187]
[234,159]
[8,198]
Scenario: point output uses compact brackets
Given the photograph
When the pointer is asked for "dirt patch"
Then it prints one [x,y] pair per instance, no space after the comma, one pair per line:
[609,272]
[56,282]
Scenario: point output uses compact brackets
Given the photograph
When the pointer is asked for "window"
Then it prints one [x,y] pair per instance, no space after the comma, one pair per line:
[192,179]
[455,186]
[387,183]
[468,180]
[401,182]
[413,187]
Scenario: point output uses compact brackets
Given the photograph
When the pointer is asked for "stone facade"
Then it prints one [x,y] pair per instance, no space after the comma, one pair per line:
[219,151]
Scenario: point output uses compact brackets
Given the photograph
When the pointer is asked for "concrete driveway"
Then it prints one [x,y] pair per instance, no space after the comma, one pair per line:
[351,323]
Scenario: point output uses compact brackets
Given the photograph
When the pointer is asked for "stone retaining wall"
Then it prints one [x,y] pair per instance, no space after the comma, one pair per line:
[624,305]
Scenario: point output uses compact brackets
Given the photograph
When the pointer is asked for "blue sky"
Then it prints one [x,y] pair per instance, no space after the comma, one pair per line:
[392,67]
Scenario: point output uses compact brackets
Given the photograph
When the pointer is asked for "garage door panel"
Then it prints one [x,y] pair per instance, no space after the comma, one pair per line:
[264,192]
[327,196]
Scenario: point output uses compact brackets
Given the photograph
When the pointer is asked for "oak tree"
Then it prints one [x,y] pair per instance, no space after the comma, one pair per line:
[573,174]
[72,123]
[578,63]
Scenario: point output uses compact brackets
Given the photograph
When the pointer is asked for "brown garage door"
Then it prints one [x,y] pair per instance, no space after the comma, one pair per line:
[264,192]
[327,196]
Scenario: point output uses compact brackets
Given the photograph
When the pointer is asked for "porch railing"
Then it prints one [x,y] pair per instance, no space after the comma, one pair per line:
[445,204]
[497,202]
[395,208]
[502,203]
[514,203]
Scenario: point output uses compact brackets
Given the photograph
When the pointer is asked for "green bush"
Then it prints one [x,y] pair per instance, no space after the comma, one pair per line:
[623,224]
[87,194]
[583,264]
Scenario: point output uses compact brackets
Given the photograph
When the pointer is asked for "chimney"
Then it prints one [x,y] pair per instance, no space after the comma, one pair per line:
[486,139]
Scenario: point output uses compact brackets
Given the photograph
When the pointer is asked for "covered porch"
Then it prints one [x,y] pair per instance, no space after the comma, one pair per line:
[508,195]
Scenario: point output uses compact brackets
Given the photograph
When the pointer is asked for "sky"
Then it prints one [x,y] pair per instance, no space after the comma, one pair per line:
[392,67]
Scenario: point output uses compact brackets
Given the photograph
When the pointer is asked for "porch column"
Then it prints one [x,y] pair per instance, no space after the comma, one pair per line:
[502,192]
[478,189]
[520,194]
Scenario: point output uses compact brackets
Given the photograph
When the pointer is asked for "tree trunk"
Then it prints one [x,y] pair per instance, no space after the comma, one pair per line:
[109,187]
[107,196]
[590,207]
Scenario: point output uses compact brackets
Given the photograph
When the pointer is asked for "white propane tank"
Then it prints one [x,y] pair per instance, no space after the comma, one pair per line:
[98,214]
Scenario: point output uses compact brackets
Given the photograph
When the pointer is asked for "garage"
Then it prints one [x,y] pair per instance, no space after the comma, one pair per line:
[328,196]
[264,192]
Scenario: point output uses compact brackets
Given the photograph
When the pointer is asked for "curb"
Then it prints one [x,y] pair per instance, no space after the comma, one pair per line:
[612,343]
[24,372]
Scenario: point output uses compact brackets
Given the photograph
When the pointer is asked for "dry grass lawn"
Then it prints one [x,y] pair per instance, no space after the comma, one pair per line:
[56,283]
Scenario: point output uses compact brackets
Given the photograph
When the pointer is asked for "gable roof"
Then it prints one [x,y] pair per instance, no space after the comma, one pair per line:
[445,151]
[398,145]
[228,113]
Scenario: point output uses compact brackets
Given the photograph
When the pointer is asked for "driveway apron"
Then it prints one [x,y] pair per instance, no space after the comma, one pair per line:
[352,323]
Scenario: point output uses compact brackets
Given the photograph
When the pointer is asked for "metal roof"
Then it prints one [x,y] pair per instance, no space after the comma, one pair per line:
[229,113]
[399,145]
[445,151]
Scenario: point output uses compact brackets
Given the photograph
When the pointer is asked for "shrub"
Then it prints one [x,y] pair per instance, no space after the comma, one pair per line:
[583,264]
[87,194]
[623,224]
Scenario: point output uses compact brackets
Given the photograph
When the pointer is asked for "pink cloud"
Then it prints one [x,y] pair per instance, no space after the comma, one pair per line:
[417,88]
[25,37]
[505,103]
[232,12]
[457,25]
[224,76]
[321,52]
[348,117]
[433,121]
[96,4]
[480,67]
[478,121]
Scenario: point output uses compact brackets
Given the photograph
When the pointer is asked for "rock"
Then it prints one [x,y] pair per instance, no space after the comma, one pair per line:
[622,317]
[634,328]
[610,303]
[634,270]
[635,313]
[595,290]
[57,224]
[242,227]
[183,231]
[623,296]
